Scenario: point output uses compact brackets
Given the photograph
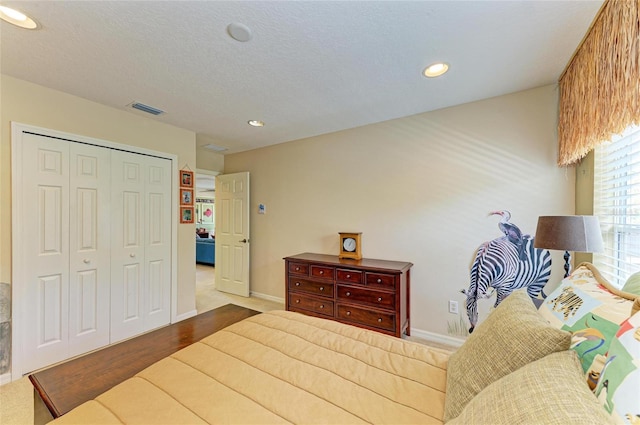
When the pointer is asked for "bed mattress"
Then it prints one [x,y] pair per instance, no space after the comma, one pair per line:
[281,367]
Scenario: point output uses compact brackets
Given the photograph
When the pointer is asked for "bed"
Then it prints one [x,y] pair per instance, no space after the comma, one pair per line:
[285,367]
[281,367]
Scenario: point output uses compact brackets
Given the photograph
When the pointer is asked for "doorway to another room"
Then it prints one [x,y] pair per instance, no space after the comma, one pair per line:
[208,298]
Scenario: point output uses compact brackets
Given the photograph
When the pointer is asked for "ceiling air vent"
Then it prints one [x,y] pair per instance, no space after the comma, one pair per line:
[214,148]
[146,108]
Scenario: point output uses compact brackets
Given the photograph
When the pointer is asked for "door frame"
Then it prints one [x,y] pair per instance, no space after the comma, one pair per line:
[19,299]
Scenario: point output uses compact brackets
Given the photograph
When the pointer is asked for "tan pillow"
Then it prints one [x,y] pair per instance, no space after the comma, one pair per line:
[548,391]
[513,335]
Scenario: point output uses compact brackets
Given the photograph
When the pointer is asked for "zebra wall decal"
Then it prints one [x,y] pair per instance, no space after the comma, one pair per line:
[506,265]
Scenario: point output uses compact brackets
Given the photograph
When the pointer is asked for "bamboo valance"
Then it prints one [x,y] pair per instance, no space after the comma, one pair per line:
[600,88]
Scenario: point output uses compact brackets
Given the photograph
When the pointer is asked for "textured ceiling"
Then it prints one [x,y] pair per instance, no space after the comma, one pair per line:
[310,68]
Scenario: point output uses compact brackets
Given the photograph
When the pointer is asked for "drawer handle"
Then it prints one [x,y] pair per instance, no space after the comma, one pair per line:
[297,283]
[322,288]
[297,269]
[379,320]
[321,271]
[379,299]
[348,294]
[297,301]
[348,276]
[348,313]
[379,280]
[321,305]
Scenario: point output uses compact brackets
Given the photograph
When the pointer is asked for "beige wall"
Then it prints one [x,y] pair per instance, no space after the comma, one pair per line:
[207,160]
[419,188]
[584,197]
[31,104]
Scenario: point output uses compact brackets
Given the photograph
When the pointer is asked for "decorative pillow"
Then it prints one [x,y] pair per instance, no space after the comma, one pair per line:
[632,285]
[619,385]
[591,309]
[513,335]
[548,391]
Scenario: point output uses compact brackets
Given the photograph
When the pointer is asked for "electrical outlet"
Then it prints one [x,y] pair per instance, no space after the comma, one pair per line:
[453,307]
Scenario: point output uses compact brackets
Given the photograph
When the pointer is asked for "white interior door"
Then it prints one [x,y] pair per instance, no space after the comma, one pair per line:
[232,233]
[45,177]
[90,247]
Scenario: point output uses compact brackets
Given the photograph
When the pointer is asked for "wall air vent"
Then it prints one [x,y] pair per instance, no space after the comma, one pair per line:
[146,108]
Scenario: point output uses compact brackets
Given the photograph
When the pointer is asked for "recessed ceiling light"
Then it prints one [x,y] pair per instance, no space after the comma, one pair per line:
[17,18]
[256,123]
[436,69]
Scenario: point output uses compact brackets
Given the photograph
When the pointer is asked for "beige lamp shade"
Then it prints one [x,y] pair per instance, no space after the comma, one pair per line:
[578,233]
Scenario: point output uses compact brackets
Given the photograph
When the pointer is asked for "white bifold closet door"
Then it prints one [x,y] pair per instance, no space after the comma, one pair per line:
[97,249]
[141,241]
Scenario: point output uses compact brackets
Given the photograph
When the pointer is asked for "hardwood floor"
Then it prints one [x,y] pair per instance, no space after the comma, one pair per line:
[70,384]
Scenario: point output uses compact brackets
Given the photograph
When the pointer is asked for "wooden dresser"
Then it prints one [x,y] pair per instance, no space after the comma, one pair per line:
[372,294]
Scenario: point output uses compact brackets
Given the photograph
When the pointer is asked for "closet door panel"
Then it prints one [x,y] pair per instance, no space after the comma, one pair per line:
[127,245]
[90,247]
[45,200]
[158,242]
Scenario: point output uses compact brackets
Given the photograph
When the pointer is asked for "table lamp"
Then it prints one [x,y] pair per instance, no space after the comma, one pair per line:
[578,233]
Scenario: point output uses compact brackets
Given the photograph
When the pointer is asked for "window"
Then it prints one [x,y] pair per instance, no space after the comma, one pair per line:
[616,202]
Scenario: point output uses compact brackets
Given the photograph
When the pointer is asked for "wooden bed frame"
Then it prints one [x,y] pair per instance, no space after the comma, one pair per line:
[61,388]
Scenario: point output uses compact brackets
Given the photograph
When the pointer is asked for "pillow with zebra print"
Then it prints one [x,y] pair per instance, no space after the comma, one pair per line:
[618,388]
[513,335]
[586,305]
[548,391]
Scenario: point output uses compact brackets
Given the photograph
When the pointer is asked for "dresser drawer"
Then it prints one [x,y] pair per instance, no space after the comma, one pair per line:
[349,276]
[317,305]
[367,296]
[299,268]
[322,272]
[380,279]
[366,317]
[316,288]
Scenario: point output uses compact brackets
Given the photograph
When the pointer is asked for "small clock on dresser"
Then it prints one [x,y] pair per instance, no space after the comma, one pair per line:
[350,245]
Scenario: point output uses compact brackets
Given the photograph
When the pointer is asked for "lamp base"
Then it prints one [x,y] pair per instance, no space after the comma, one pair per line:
[567,264]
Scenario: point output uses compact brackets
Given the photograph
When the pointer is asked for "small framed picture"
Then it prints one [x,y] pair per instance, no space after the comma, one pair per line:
[186,196]
[186,214]
[186,178]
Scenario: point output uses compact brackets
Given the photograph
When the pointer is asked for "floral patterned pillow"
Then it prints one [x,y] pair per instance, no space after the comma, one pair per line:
[618,388]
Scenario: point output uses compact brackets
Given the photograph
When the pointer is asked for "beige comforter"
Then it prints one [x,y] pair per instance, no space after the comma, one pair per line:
[281,367]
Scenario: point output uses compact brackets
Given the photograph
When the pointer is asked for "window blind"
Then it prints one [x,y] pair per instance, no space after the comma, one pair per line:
[616,202]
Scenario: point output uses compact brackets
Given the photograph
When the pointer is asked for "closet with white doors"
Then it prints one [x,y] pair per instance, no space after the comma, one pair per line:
[95,246]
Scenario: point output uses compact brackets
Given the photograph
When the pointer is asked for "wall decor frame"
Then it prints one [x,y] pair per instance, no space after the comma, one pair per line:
[186,196]
[186,178]
[186,215]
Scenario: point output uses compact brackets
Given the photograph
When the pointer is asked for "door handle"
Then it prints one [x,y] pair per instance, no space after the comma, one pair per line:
[244,240]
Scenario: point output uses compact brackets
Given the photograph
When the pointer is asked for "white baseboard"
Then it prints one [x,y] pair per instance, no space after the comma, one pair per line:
[439,338]
[267,297]
[5,378]
[184,316]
